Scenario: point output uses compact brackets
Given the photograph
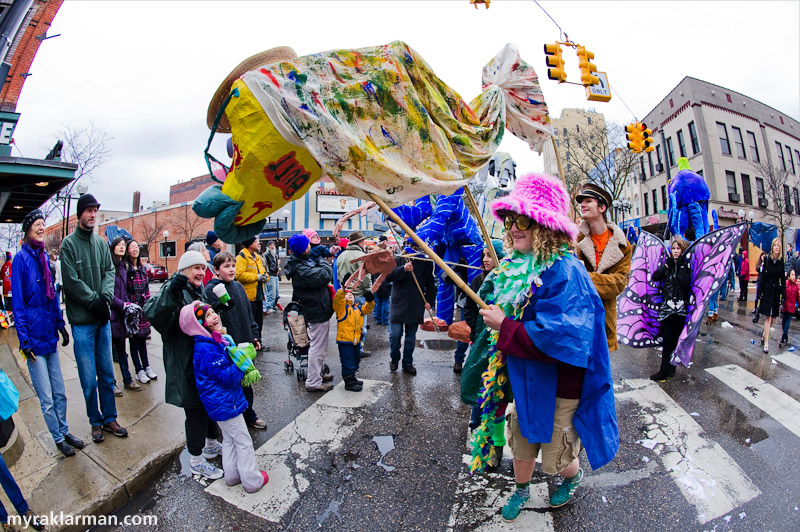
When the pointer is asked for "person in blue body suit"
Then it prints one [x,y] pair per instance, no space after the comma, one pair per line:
[550,325]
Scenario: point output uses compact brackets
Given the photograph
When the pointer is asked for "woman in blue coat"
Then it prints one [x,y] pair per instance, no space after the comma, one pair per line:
[38,323]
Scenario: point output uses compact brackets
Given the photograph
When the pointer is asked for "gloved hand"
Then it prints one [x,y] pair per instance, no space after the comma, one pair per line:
[262,277]
[178,284]
[27,354]
[369,296]
[64,337]
[229,305]
[99,308]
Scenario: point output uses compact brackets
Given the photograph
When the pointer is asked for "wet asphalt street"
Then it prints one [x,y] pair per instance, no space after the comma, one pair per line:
[715,448]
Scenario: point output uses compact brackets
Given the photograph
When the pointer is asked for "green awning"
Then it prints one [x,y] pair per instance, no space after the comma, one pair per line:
[25,184]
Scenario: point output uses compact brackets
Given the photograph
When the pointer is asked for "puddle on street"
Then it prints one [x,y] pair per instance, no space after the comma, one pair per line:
[333,508]
[737,424]
[437,344]
[385,445]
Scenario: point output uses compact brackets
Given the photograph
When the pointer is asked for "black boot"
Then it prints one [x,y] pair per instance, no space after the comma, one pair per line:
[660,376]
[358,381]
[350,383]
[671,371]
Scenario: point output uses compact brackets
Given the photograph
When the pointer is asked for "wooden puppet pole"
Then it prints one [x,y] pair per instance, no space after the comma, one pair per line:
[459,282]
[474,205]
[420,257]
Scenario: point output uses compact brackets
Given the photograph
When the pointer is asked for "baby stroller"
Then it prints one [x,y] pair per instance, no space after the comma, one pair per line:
[299,342]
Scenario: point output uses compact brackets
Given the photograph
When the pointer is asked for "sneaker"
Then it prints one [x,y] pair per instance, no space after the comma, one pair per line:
[117,391]
[115,429]
[207,470]
[408,368]
[212,451]
[150,373]
[566,490]
[324,387]
[142,377]
[97,433]
[514,506]
[133,386]
[259,424]
[393,365]
[457,367]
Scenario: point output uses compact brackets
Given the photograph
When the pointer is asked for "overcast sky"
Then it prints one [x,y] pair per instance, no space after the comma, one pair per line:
[147,70]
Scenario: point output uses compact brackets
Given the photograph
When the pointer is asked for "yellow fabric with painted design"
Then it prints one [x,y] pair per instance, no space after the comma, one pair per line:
[260,153]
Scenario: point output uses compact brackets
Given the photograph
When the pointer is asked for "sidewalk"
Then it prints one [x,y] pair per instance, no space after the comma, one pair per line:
[101,477]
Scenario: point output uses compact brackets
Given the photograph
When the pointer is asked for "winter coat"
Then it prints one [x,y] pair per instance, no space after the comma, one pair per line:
[118,302]
[37,319]
[310,279]
[349,318]
[791,300]
[138,290]
[248,267]
[610,276]
[163,311]
[271,261]
[676,279]
[567,297]
[238,318]
[744,269]
[87,272]
[407,305]
[773,281]
[345,267]
[5,274]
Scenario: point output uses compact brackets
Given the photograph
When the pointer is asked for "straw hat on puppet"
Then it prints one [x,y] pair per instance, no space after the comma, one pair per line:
[265,58]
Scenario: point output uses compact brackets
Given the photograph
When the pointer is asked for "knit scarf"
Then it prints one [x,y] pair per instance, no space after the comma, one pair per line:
[516,280]
[38,249]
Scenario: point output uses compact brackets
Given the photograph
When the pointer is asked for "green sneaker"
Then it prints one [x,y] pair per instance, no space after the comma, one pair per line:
[514,506]
[566,490]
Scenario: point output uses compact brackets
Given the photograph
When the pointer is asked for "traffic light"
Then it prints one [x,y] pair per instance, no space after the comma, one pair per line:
[647,138]
[587,67]
[634,137]
[555,61]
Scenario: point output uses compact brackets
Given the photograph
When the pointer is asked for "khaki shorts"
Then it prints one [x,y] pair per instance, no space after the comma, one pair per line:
[564,446]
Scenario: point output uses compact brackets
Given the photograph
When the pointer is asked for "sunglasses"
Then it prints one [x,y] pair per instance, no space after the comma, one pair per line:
[510,218]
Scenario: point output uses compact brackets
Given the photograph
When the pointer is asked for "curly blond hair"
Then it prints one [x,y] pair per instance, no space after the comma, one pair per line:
[544,241]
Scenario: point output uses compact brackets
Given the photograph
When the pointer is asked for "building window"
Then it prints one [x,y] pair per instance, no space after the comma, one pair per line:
[694,139]
[579,144]
[658,154]
[641,163]
[646,204]
[797,158]
[167,249]
[636,202]
[796,201]
[791,161]
[577,128]
[565,132]
[655,202]
[557,143]
[569,167]
[568,156]
[787,199]
[730,177]
[650,163]
[589,118]
[670,152]
[144,250]
[664,196]
[738,142]
[681,144]
[746,192]
[760,194]
[566,143]
[751,138]
[723,138]
[780,155]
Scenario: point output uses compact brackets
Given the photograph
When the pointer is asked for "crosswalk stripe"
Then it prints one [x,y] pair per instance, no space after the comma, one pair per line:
[321,428]
[771,400]
[706,475]
[793,361]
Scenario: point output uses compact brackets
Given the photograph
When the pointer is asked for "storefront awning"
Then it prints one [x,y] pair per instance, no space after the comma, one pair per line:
[25,184]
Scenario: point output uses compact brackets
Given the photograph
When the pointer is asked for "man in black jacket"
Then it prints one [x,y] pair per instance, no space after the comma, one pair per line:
[310,279]
[273,269]
[407,306]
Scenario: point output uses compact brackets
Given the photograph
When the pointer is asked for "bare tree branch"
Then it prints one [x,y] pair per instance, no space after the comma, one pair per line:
[778,185]
[186,222]
[151,231]
[10,236]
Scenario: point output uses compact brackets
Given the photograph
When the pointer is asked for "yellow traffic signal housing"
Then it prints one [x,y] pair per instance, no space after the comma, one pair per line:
[634,137]
[647,138]
[586,66]
[555,60]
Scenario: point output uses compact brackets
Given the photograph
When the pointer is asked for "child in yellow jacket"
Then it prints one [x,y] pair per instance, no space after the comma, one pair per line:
[349,320]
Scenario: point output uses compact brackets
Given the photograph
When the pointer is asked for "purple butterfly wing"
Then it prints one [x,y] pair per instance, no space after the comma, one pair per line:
[708,259]
[637,307]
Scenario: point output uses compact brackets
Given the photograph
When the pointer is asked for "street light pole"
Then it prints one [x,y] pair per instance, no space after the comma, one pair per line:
[166,252]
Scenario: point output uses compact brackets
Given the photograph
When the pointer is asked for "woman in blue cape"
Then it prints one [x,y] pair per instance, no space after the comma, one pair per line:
[549,324]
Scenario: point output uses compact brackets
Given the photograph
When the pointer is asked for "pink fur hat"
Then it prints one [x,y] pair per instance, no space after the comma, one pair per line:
[541,198]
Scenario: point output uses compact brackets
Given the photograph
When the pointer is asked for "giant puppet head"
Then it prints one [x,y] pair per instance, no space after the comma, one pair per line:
[688,202]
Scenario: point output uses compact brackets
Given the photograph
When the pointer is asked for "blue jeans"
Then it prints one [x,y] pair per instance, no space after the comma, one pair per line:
[723,292]
[49,385]
[92,349]
[712,304]
[350,357]
[272,292]
[12,490]
[461,347]
[118,346]
[382,310]
[395,334]
[787,321]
